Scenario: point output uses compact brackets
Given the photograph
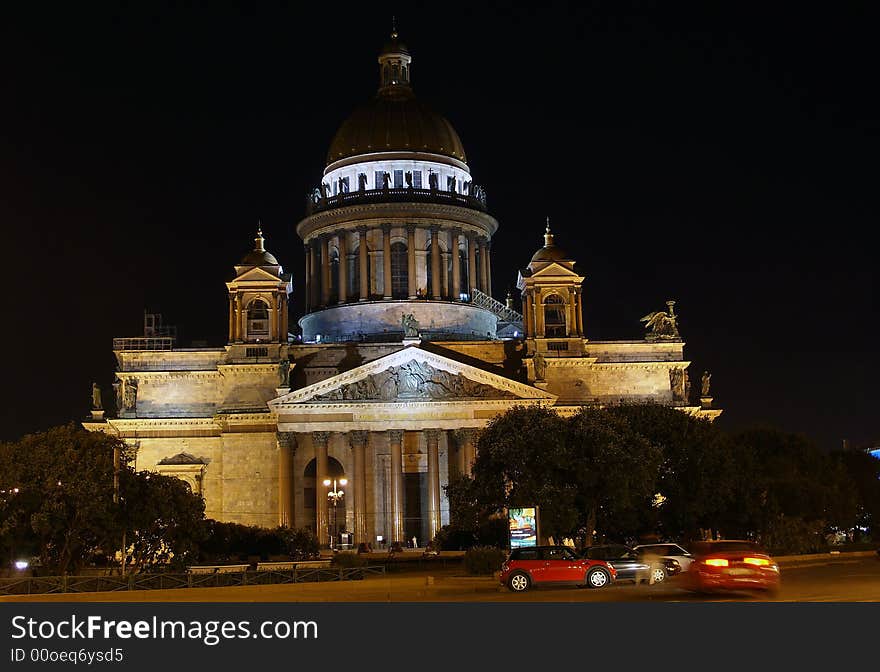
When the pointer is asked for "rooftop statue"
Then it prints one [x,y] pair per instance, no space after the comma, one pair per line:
[96,397]
[410,326]
[707,380]
[662,323]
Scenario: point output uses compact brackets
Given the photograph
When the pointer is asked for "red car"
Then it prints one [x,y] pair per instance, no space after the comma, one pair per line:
[731,565]
[547,565]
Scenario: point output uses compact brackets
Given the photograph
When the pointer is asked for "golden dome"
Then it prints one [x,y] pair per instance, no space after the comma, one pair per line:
[395,120]
[550,251]
[395,124]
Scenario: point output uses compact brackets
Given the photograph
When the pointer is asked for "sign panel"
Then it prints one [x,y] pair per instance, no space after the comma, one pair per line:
[523,527]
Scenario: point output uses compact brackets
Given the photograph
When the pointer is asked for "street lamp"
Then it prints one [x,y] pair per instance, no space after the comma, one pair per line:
[333,497]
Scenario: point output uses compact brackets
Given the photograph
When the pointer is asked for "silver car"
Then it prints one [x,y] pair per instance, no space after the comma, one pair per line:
[673,551]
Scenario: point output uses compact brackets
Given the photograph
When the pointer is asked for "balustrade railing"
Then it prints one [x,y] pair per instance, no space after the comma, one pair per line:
[317,202]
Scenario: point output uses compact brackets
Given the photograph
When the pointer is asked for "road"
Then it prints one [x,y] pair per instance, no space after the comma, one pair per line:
[842,580]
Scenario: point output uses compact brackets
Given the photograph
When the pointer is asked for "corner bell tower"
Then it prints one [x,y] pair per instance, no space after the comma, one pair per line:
[258,297]
[552,301]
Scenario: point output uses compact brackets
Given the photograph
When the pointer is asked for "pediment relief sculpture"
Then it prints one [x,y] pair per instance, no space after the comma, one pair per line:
[414,380]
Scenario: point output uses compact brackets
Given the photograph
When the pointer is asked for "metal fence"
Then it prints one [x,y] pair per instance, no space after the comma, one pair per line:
[44,585]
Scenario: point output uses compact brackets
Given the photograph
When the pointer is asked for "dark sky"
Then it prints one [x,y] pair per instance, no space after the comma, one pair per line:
[724,157]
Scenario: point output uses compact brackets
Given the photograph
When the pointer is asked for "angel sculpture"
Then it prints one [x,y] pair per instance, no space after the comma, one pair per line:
[662,323]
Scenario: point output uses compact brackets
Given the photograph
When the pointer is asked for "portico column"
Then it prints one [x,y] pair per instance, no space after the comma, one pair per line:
[466,439]
[395,439]
[319,441]
[343,266]
[307,250]
[325,271]
[484,282]
[433,440]
[456,265]
[539,313]
[526,316]
[386,261]
[411,287]
[286,450]
[358,441]
[436,284]
[362,263]
[231,319]
[472,264]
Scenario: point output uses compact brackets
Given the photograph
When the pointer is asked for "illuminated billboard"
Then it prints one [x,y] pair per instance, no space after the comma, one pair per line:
[523,527]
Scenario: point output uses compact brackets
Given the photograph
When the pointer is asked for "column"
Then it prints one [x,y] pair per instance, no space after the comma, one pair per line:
[527,315]
[580,311]
[231,319]
[325,271]
[364,278]
[456,266]
[358,442]
[444,275]
[386,261]
[466,439]
[411,287]
[436,283]
[319,441]
[433,440]
[395,439]
[236,320]
[488,267]
[286,450]
[538,300]
[315,283]
[282,302]
[307,250]
[343,266]
[484,281]
[472,264]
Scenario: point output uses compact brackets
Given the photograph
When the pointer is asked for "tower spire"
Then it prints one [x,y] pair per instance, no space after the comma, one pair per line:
[394,65]
[259,239]
[548,237]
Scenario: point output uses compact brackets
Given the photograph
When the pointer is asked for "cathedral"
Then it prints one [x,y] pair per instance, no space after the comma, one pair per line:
[403,353]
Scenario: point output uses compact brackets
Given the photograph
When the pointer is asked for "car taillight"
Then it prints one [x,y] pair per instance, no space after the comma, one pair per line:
[716,562]
[760,562]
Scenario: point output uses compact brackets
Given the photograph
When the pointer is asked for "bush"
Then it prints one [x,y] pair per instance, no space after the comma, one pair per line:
[484,560]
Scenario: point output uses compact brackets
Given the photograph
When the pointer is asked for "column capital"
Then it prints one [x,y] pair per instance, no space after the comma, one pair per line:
[411,228]
[362,229]
[358,437]
[395,435]
[386,228]
[339,233]
[432,435]
[307,247]
[466,434]
[435,228]
[455,230]
[321,438]
[286,440]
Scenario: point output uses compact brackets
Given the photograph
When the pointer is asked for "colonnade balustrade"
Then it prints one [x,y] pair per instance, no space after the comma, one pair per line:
[325,287]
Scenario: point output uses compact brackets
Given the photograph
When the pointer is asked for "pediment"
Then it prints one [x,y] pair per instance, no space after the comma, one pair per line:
[408,375]
[554,269]
[257,274]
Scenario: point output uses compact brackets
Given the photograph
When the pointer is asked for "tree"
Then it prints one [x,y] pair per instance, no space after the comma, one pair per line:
[63,494]
[863,470]
[162,517]
[615,472]
[695,475]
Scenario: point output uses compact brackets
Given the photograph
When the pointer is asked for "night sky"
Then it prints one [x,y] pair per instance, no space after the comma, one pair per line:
[724,157]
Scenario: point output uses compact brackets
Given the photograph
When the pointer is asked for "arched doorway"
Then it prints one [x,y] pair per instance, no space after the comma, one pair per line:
[310,490]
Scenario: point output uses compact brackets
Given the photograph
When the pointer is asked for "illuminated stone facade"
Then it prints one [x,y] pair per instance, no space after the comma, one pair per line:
[404,354]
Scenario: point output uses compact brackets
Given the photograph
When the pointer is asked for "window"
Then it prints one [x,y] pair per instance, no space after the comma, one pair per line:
[258,319]
[557,345]
[378,179]
[399,271]
[343,185]
[554,317]
[417,179]
[398,179]
[256,352]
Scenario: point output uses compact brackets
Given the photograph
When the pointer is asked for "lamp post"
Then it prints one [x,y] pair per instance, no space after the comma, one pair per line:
[333,497]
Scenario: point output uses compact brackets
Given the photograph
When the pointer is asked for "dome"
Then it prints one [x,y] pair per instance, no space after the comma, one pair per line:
[550,251]
[395,123]
[395,120]
[258,258]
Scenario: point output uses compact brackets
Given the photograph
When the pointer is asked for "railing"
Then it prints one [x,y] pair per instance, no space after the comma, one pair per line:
[486,302]
[91,584]
[144,343]
[316,202]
